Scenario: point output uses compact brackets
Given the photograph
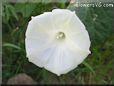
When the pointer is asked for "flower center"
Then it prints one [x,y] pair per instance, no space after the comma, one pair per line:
[60,36]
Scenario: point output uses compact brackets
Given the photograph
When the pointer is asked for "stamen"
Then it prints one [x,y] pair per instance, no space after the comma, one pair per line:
[60,36]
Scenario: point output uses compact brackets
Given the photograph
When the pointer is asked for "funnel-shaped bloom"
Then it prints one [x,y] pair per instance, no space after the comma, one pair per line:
[57,41]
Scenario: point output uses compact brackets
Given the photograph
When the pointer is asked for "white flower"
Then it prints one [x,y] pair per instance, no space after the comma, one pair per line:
[57,41]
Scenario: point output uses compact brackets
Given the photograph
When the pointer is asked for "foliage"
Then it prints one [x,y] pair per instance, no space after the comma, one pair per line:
[97,68]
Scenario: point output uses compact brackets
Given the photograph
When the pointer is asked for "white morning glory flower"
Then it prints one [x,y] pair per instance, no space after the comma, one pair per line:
[57,41]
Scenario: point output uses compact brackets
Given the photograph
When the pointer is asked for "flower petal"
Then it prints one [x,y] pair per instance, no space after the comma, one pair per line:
[36,48]
[77,33]
[57,55]
[40,26]
[81,40]
[61,18]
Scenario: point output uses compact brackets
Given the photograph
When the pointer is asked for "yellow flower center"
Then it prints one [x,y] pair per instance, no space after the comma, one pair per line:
[60,36]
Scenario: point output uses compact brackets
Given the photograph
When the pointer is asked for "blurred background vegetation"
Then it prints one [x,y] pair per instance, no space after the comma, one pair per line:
[98,68]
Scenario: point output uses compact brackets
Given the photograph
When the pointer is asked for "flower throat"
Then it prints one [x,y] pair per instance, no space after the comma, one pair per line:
[60,36]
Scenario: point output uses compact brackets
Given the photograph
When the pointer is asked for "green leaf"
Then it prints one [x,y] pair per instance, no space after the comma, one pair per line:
[11,46]
[89,67]
[80,11]
[26,8]
[98,21]
[7,13]
[13,12]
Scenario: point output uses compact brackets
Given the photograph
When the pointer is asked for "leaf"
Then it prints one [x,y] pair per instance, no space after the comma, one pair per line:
[7,13]
[89,67]
[13,12]
[26,8]
[98,21]
[11,46]
[80,11]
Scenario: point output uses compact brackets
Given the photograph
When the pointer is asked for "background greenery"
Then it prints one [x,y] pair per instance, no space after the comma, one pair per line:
[98,68]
